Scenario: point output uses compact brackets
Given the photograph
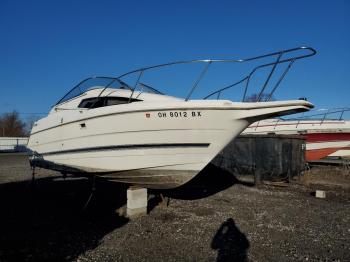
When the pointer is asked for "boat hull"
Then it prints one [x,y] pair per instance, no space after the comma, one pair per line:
[148,177]
[152,147]
[323,138]
[322,145]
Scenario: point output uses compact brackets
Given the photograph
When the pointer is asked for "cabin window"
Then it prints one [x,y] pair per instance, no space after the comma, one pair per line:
[91,103]
[96,102]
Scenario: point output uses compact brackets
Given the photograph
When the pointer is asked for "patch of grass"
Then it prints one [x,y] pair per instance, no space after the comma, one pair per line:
[326,174]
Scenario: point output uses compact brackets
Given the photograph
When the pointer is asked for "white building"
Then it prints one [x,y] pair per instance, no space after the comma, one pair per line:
[13,144]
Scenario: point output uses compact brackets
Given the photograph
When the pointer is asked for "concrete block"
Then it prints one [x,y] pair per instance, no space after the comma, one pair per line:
[320,194]
[136,202]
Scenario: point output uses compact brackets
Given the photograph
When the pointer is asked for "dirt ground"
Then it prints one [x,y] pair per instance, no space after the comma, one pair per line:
[215,217]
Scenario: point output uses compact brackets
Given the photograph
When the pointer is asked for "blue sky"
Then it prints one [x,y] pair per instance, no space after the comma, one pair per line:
[47,47]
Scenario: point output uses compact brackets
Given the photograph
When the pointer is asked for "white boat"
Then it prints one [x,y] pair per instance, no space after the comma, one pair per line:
[140,136]
[326,136]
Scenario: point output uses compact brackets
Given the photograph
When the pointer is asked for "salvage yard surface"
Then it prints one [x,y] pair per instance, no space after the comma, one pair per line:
[213,218]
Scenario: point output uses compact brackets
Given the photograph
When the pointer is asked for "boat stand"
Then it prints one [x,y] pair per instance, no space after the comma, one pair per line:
[33,174]
[93,190]
[136,205]
[165,200]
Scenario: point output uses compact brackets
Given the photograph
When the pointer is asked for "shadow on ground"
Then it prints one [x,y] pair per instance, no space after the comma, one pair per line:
[230,243]
[47,222]
[211,180]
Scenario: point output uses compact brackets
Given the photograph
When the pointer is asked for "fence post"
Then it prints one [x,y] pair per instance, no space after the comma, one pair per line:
[257,176]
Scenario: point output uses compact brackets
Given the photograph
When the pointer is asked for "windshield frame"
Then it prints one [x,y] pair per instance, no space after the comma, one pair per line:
[68,97]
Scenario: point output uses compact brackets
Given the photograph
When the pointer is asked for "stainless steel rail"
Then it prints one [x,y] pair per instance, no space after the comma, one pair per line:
[280,58]
[278,61]
[323,117]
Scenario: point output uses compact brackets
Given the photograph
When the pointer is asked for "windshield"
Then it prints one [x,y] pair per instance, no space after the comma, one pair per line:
[92,83]
[103,83]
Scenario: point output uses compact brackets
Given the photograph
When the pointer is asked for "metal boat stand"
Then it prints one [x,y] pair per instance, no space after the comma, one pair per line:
[158,199]
[30,184]
[165,200]
[93,190]
[33,173]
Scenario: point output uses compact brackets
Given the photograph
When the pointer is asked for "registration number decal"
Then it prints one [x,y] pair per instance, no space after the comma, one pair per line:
[182,114]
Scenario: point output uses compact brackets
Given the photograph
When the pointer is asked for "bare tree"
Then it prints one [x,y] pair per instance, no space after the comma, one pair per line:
[29,122]
[11,125]
[254,97]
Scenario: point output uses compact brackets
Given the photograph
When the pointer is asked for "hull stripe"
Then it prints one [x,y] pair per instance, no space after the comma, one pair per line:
[317,154]
[327,137]
[125,147]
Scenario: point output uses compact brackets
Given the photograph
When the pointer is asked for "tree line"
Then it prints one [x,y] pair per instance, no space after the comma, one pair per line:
[11,125]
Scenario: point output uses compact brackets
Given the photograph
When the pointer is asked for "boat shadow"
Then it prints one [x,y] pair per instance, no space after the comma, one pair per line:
[46,221]
[211,180]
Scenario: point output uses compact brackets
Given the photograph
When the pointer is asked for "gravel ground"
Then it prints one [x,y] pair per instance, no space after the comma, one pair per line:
[214,217]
